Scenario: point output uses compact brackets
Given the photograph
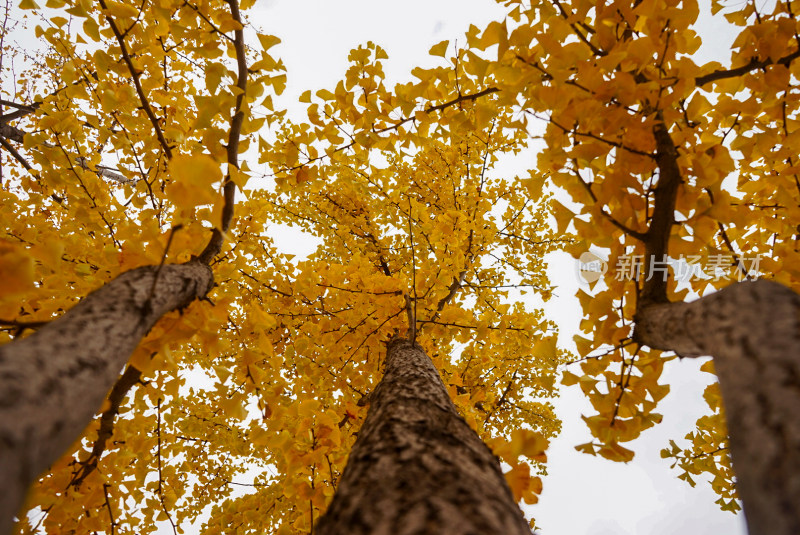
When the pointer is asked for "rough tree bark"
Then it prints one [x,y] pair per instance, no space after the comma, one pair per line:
[752,329]
[417,467]
[54,381]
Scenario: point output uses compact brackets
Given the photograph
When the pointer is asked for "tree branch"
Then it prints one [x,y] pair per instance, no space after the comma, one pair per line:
[214,245]
[656,240]
[753,65]
[53,381]
[624,228]
[438,107]
[12,132]
[15,154]
[22,111]
[753,332]
[136,75]
[126,381]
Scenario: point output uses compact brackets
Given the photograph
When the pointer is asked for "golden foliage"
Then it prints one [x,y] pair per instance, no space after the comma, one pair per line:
[249,402]
[626,108]
[398,184]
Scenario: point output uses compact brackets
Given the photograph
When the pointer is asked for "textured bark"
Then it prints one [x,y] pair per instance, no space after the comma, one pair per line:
[53,382]
[417,467]
[752,329]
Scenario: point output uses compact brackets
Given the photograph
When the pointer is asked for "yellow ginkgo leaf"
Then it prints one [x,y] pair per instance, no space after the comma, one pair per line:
[439,49]
[120,10]
[520,480]
[193,178]
[16,269]
[267,41]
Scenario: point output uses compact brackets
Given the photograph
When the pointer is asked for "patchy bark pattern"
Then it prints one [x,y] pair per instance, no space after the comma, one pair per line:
[417,467]
[53,382]
[752,330]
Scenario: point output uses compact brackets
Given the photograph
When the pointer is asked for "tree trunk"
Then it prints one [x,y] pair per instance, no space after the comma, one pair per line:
[54,381]
[752,329]
[417,467]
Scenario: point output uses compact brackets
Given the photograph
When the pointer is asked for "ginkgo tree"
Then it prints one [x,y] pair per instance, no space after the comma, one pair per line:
[426,246]
[115,153]
[685,176]
[125,153]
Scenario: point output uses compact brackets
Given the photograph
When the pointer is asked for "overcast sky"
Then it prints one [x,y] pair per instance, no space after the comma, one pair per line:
[582,495]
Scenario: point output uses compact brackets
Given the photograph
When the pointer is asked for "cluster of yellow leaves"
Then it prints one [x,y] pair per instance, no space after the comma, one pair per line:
[624,391]
[362,113]
[599,78]
[127,152]
[707,454]
[16,269]
[423,222]
[261,388]
[192,184]
[522,443]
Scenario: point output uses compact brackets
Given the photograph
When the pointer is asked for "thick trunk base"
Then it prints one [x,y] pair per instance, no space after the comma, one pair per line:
[54,381]
[752,330]
[417,467]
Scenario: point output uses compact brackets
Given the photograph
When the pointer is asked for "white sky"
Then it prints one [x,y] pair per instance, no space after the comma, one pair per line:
[582,494]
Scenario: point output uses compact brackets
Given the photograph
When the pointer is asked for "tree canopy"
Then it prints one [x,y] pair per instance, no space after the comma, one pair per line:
[136,139]
[666,161]
[264,384]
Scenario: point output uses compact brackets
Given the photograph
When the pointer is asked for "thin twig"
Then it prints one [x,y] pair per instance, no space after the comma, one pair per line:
[412,320]
[136,75]
[160,488]
[163,260]
[753,65]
